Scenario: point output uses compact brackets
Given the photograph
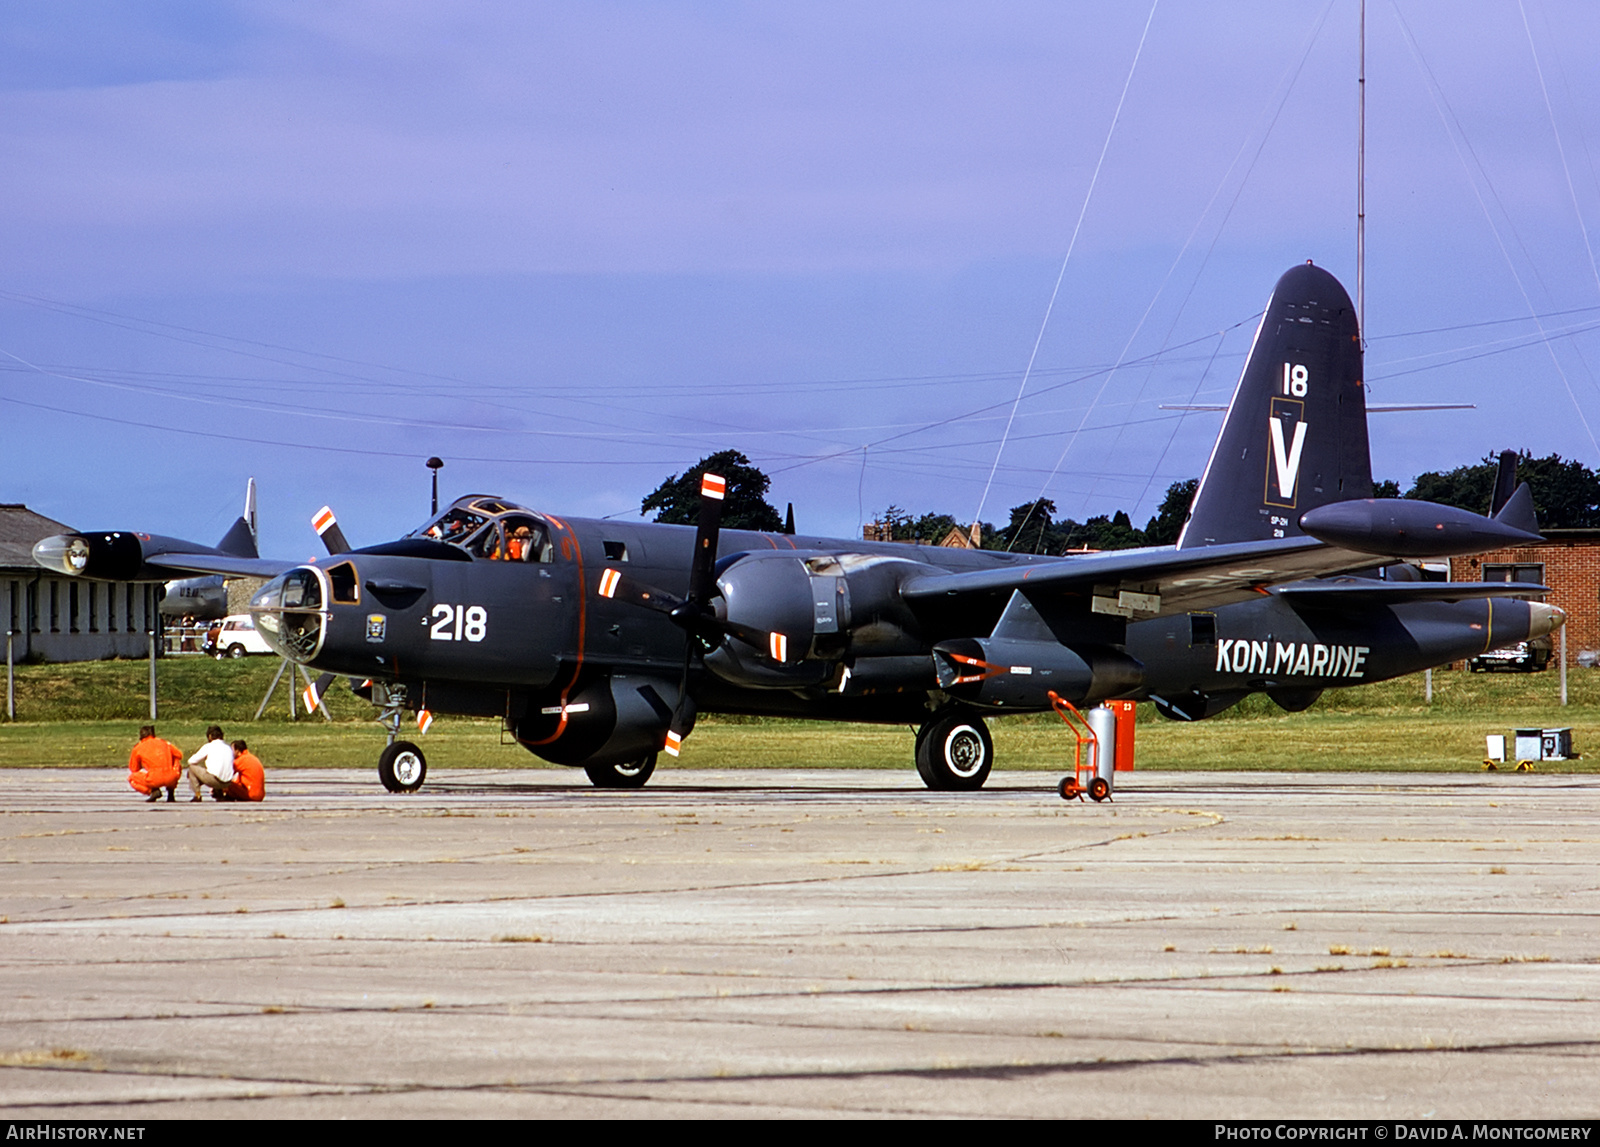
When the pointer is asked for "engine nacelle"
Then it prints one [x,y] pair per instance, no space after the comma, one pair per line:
[740,664]
[612,721]
[826,606]
[113,556]
[1009,673]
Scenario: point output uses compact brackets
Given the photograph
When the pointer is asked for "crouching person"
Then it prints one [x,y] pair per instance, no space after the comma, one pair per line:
[212,766]
[154,765]
[249,777]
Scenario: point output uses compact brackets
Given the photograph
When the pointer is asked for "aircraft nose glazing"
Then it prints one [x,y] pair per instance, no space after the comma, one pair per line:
[291,612]
[63,553]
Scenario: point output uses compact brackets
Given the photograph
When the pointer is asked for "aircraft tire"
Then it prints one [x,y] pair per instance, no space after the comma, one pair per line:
[628,775]
[402,768]
[954,753]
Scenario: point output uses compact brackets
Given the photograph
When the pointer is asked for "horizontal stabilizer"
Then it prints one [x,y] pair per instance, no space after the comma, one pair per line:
[1372,407]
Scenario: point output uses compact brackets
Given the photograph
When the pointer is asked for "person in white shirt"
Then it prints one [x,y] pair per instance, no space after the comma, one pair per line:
[212,766]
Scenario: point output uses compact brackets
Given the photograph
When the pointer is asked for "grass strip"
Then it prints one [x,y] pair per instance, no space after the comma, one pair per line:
[87,715]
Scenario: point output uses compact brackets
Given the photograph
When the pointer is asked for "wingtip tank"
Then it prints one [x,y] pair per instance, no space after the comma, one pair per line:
[1400,527]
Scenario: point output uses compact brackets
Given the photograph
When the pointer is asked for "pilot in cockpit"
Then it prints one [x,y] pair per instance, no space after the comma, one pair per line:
[526,541]
[454,526]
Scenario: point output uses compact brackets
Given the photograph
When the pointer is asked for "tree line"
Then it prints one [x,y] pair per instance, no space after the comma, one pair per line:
[1566,495]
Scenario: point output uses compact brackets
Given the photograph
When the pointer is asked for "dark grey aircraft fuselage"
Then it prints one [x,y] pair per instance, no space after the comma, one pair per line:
[512,638]
[598,642]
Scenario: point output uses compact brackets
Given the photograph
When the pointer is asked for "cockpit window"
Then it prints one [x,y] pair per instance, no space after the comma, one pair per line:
[301,590]
[527,540]
[487,543]
[491,529]
[454,525]
[346,590]
[514,538]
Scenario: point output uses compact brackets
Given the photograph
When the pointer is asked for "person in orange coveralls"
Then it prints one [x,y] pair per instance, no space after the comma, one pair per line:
[249,777]
[154,765]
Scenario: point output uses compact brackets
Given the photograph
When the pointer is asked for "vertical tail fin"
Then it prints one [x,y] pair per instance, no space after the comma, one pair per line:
[1505,482]
[1295,435]
[240,540]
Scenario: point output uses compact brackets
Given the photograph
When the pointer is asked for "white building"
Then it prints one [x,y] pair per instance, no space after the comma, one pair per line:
[50,618]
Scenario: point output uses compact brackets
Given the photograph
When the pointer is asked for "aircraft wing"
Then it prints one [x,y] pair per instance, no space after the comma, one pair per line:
[225,564]
[125,555]
[1354,534]
[1152,582]
[1337,592]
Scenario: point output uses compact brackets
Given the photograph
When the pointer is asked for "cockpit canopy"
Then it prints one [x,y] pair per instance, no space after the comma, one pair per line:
[490,529]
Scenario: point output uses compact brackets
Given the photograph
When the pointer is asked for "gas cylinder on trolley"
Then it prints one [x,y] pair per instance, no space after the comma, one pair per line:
[1104,744]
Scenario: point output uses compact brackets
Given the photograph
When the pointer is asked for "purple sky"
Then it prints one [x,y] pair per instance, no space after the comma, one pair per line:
[573,248]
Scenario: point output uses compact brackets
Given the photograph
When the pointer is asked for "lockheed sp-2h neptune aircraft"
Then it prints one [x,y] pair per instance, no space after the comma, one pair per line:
[597,642]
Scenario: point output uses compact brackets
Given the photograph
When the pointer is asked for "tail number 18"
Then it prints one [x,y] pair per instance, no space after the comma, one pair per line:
[1294,380]
[459,623]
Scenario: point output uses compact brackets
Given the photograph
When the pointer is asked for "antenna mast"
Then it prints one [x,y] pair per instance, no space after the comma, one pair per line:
[1361,187]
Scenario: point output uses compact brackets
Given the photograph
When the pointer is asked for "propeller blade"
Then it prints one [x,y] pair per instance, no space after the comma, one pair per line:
[702,581]
[682,717]
[316,690]
[619,586]
[693,613]
[327,527]
[774,645]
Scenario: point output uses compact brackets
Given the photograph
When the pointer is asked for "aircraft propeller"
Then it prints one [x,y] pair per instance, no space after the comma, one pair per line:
[693,613]
[327,527]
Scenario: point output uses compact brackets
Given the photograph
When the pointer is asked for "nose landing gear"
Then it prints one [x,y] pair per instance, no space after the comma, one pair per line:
[402,767]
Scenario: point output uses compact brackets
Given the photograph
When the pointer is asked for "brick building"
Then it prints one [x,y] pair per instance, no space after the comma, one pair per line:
[955,538]
[1568,561]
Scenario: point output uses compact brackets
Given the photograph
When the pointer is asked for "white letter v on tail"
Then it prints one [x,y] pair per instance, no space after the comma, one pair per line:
[1288,468]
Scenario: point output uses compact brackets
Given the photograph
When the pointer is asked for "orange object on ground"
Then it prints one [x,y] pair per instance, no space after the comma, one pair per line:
[1125,711]
[250,779]
[154,764]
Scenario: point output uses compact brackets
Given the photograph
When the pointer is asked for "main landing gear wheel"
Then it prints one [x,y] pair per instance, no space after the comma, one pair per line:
[402,767]
[954,753]
[628,775]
